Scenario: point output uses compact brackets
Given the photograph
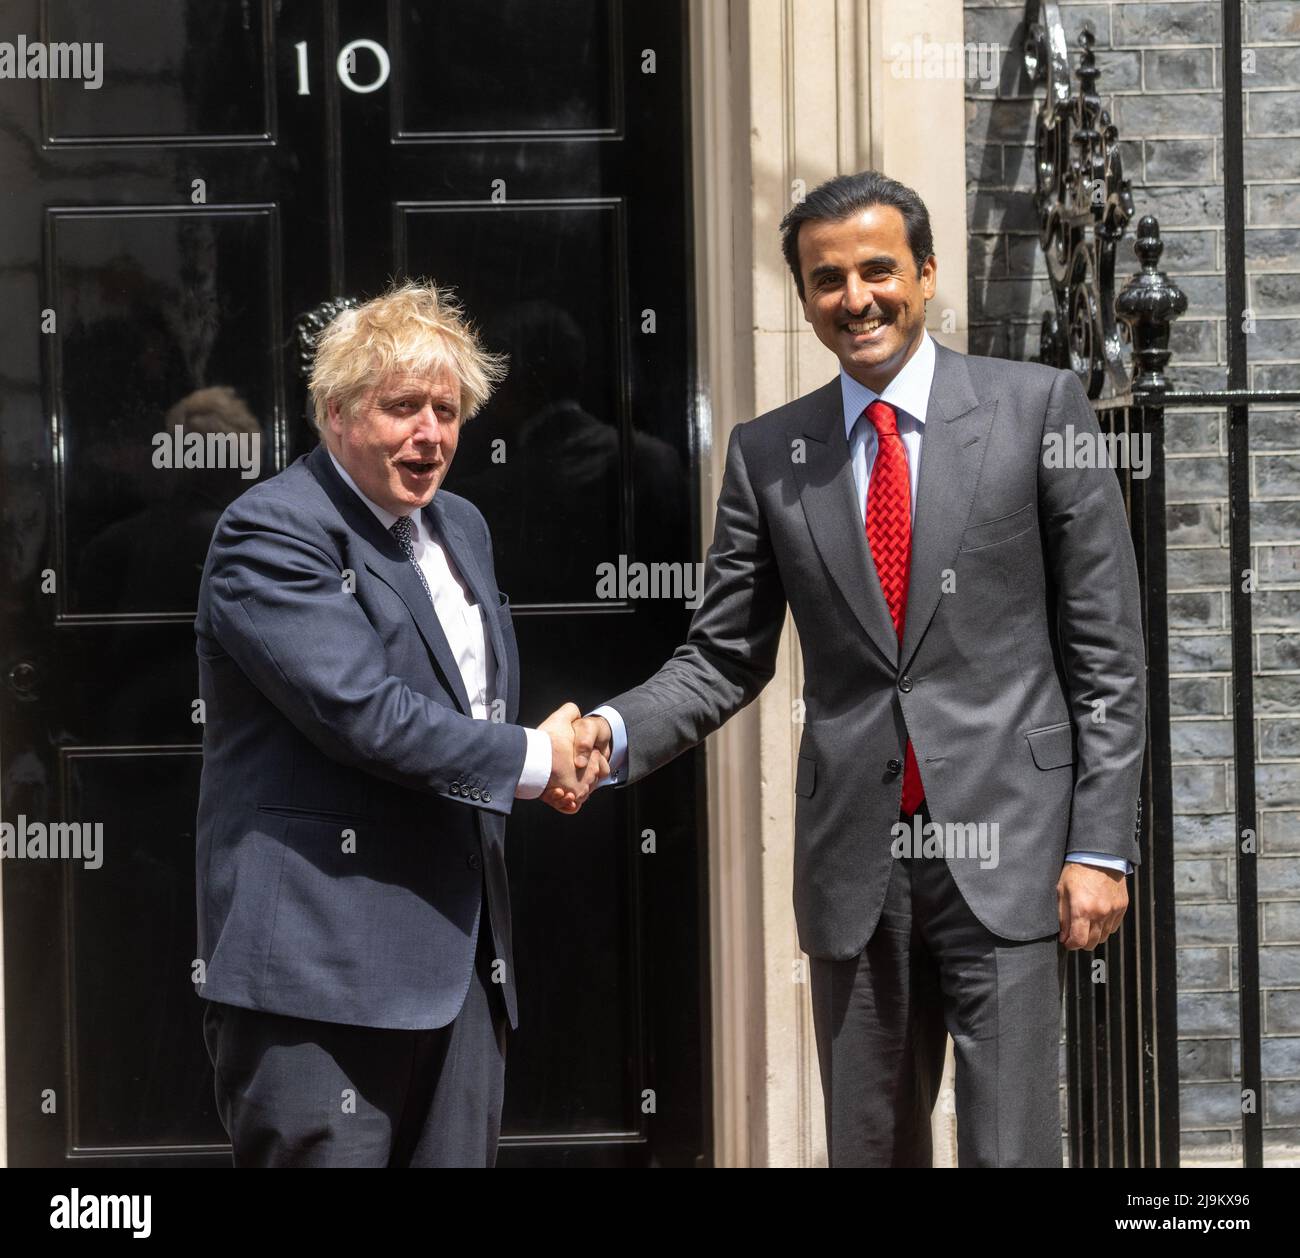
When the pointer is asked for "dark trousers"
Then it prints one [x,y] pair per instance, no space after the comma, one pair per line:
[294,1092]
[881,1018]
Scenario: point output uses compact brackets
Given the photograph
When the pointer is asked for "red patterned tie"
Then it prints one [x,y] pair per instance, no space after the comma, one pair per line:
[889,534]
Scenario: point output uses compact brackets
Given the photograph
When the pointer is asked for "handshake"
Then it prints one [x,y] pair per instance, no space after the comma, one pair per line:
[580,751]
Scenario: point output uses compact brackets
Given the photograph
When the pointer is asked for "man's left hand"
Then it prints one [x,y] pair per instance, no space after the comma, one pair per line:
[1091,903]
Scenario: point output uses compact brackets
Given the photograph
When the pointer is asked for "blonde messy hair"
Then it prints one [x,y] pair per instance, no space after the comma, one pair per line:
[414,328]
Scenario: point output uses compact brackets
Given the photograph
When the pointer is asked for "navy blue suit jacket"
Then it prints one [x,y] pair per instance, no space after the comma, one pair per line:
[352,811]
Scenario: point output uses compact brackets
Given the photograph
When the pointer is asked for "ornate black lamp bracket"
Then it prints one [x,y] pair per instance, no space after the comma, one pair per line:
[1084,205]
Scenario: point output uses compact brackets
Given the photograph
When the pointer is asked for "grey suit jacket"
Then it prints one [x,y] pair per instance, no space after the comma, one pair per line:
[1020,678]
[351,810]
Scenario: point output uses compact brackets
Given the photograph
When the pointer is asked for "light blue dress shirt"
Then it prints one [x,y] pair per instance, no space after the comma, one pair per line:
[909,394]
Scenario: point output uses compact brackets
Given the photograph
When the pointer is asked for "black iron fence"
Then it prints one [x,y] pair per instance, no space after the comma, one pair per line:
[1121,1002]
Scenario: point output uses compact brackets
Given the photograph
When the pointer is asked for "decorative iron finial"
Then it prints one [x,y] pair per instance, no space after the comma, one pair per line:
[1147,307]
[309,325]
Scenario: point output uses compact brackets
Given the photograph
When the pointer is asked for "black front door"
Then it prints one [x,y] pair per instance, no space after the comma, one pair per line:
[164,232]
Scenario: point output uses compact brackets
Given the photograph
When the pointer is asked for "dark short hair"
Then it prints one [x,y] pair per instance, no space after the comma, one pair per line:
[847,194]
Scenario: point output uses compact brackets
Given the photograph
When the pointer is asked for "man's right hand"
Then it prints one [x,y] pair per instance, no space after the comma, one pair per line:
[578,763]
[587,742]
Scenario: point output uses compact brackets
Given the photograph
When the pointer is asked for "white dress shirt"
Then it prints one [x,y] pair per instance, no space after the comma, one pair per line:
[462,624]
[909,394]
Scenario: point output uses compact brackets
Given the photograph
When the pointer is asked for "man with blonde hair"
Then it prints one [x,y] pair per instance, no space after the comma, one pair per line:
[360,678]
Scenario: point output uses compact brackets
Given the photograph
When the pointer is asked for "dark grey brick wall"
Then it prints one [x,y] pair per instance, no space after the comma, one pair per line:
[1161,76]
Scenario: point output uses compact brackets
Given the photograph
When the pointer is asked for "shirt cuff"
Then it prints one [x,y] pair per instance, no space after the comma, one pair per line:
[618,745]
[1102,859]
[537,765]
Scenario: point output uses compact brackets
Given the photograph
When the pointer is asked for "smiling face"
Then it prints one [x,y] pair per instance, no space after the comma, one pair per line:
[400,440]
[862,294]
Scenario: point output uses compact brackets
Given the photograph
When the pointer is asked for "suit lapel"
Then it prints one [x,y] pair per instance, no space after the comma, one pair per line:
[829,497]
[386,560]
[952,451]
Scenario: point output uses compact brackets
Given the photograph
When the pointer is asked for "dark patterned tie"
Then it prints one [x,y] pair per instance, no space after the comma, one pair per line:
[889,534]
[401,530]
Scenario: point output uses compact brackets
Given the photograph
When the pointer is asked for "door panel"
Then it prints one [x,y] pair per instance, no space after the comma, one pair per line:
[139,1075]
[203,71]
[489,86]
[171,298]
[544,460]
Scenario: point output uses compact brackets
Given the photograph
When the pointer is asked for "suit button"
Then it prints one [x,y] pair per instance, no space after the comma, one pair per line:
[905,684]
[475,793]
[894,766]
[487,797]
[472,860]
